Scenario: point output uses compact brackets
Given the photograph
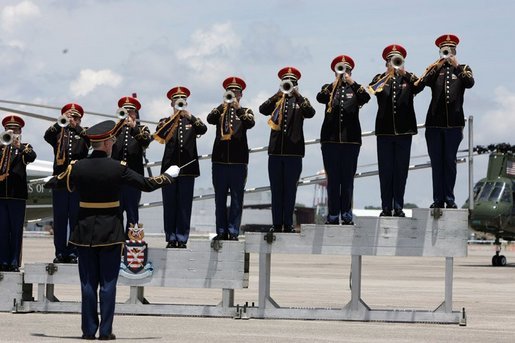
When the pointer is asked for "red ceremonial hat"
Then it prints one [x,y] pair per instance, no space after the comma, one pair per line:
[128,101]
[179,91]
[234,82]
[75,109]
[448,39]
[392,50]
[345,59]
[12,120]
[290,72]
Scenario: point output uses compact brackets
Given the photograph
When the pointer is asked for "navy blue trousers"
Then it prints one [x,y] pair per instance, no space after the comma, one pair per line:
[177,203]
[393,155]
[66,212]
[229,178]
[129,202]
[98,266]
[340,164]
[12,216]
[442,146]
[284,173]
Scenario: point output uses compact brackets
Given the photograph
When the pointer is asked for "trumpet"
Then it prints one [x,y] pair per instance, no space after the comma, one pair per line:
[229,97]
[286,86]
[397,61]
[180,104]
[63,121]
[445,52]
[122,113]
[7,137]
[340,68]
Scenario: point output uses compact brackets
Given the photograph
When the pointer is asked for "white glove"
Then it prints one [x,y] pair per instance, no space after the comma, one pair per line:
[173,171]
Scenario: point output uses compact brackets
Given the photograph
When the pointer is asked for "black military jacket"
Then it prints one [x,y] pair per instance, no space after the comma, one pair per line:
[448,86]
[15,185]
[235,150]
[396,113]
[341,125]
[77,148]
[182,147]
[130,144]
[289,140]
[98,180]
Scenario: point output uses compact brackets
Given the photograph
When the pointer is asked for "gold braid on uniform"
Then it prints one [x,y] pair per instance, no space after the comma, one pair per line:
[248,114]
[62,143]
[5,162]
[167,129]
[336,84]
[276,118]
[143,133]
[226,130]
[66,174]
[160,179]
[465,72]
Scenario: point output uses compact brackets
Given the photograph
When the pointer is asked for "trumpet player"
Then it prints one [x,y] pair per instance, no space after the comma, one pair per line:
[69,142]
[230,157]
[340,138]
[179,133]
[131,141]
[395,125]
[287,109]
[14,157]
[445,117]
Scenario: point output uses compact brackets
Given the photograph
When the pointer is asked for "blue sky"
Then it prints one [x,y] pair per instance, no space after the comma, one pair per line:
[114,48]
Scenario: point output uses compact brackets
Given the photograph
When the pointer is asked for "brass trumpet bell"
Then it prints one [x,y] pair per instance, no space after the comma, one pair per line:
[7,137]
[63,121]
[229,97]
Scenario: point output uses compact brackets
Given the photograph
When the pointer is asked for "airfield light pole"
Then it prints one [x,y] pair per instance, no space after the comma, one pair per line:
[471,161]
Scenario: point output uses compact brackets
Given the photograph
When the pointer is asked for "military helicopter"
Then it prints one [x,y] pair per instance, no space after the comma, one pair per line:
[494,197]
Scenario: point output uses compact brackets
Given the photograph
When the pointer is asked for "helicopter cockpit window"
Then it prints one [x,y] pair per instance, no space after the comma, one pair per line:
[485,192]
[496,192]
[477,189]
[506,195]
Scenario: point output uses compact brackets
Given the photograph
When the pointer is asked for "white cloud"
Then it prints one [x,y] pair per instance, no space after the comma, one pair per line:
[90,79]
[212,49]
[12,16]
[497,124]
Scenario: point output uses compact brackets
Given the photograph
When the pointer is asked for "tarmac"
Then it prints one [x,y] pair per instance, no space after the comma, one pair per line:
[484,291]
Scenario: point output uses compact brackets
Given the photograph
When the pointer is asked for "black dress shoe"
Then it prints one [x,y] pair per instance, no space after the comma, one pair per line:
[59,259]
[14,269]
[451,204]
[332,223]
[276,228]
[399,213]
[109,337]
[347,222]
[436,205]
[385,213]
[181,245]
[71,259]
[233,238]
[221,237]
[89,337]
[289,229]
[171,244]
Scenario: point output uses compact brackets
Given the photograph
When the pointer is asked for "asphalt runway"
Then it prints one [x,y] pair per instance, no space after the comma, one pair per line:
[306,281]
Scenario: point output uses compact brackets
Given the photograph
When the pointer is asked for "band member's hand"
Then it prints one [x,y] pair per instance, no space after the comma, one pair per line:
[74,121]
[186,114]
[236,104]
[390,69]
[131,122]
[401,71]
[16,142]
[453,61]
[173,171]
[348,79]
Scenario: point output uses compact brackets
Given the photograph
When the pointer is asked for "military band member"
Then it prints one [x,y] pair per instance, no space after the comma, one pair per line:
[99,234]
[68,140]
[445,118]
[396,123]
[287,110]
[230,157]
[340,138]
[131,141]
[14,157]
[179,132]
